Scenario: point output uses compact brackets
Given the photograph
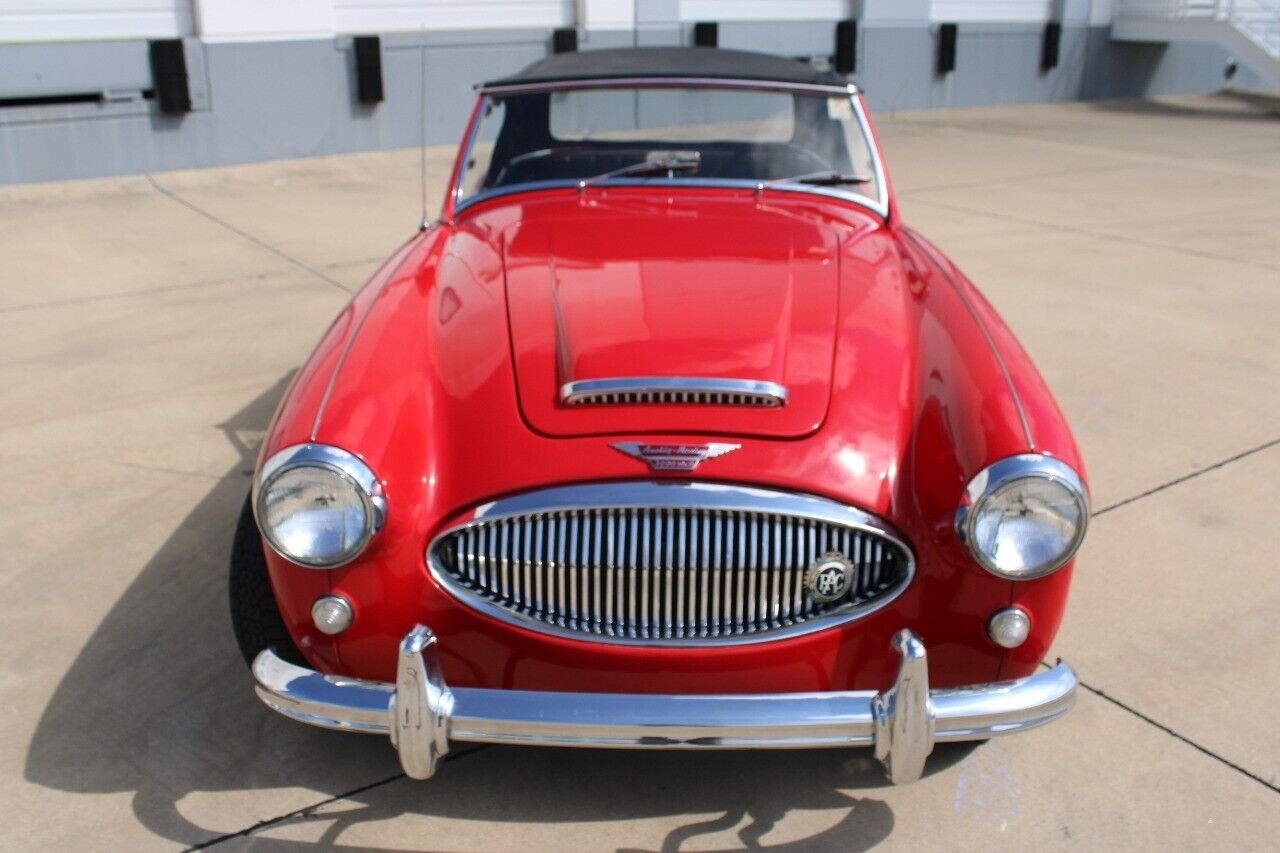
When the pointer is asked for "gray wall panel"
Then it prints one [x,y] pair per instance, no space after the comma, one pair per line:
[281,99]
[793,38]
[60,68]
[994,64]
[1131,69]
[660,36]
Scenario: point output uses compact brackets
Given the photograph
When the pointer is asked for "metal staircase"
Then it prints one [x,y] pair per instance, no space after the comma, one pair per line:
[1249,29]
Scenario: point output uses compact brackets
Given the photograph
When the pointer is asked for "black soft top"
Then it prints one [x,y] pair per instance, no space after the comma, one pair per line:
[675,62]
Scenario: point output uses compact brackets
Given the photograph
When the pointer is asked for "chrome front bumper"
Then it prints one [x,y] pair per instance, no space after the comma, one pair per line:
[423,715]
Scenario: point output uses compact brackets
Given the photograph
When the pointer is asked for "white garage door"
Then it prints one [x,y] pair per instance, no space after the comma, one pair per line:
[63,20]
[1013,11]
[764,10]
[373,16]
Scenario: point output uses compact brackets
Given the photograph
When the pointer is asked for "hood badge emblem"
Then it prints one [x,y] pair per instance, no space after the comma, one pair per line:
[673,457]
[829,578]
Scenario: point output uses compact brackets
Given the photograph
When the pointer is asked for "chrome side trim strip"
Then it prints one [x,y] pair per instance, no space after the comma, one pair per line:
[682,495]
[423,714]
[673,389]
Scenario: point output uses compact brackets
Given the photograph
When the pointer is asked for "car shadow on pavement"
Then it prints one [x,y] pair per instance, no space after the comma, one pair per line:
[158,703]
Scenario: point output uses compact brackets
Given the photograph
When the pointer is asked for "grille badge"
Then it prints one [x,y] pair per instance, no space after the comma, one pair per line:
[829,578]
[673,457]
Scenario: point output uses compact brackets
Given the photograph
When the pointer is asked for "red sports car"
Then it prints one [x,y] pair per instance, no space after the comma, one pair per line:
[667,434]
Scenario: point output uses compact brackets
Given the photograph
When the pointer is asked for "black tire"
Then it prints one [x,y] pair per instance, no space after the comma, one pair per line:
[255,616]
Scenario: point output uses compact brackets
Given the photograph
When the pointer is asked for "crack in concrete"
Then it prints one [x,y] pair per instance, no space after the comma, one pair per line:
[307,811]
[1169,730]
[162,470]
[1094,235]
[1271,786]
[907,192]
[1130,157]
[170,288]
[245,234]
[302,812]
[1185,477]
[146,291]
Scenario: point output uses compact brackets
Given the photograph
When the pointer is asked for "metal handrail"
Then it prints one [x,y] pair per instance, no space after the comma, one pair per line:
[1219,10]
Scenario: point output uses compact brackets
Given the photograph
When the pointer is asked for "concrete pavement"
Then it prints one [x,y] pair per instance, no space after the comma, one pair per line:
[148,326]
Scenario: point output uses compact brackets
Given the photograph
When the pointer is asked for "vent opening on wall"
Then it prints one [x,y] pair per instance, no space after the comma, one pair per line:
[706,34]
[53,100]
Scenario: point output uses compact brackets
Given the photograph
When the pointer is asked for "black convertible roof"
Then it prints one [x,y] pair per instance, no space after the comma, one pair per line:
[669,62]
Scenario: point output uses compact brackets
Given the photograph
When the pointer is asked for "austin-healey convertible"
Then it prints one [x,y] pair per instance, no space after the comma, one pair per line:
[668,433]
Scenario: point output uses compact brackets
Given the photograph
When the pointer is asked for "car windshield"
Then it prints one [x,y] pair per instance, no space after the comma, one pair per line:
[593,136]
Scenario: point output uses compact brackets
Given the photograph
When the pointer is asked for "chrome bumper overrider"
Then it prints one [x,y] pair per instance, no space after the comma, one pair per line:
[423,715]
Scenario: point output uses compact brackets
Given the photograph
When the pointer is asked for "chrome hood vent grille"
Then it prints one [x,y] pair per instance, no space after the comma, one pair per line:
[667,563]
[659,390]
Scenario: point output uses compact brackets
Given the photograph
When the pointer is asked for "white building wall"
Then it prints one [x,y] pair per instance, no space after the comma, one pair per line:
[74,20]
[219,20]
[764,10]
[372,16]
[68,20]
[607,14]
[251,19]
[1009,11]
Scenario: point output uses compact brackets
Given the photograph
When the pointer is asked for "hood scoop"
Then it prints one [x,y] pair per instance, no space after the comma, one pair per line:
[706,317]
[673,390]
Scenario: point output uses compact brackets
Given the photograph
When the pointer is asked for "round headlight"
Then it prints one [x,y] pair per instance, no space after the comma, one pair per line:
[317,506]
[1024,516]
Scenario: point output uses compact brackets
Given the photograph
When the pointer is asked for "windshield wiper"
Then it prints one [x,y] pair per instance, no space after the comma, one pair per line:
[827,178]
[657,162]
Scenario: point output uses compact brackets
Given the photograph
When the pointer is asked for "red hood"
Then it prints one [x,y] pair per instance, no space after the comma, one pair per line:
[641,289]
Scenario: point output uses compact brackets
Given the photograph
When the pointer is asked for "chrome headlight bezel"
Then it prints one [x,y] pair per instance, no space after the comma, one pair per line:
[349,468]
[997,476]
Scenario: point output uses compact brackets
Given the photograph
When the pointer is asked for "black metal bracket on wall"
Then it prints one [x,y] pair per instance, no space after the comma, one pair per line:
[947,37]
[706,34]
[1052,45]
[564,40]
[169,76]
[368,55]
[845,59]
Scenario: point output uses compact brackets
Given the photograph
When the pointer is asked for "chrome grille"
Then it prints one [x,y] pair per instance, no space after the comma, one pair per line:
[678,573]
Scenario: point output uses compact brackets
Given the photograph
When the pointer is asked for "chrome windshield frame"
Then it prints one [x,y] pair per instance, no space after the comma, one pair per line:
[660,82]
[879,205]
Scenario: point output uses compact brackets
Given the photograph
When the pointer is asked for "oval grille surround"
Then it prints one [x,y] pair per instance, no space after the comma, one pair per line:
[666,563]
